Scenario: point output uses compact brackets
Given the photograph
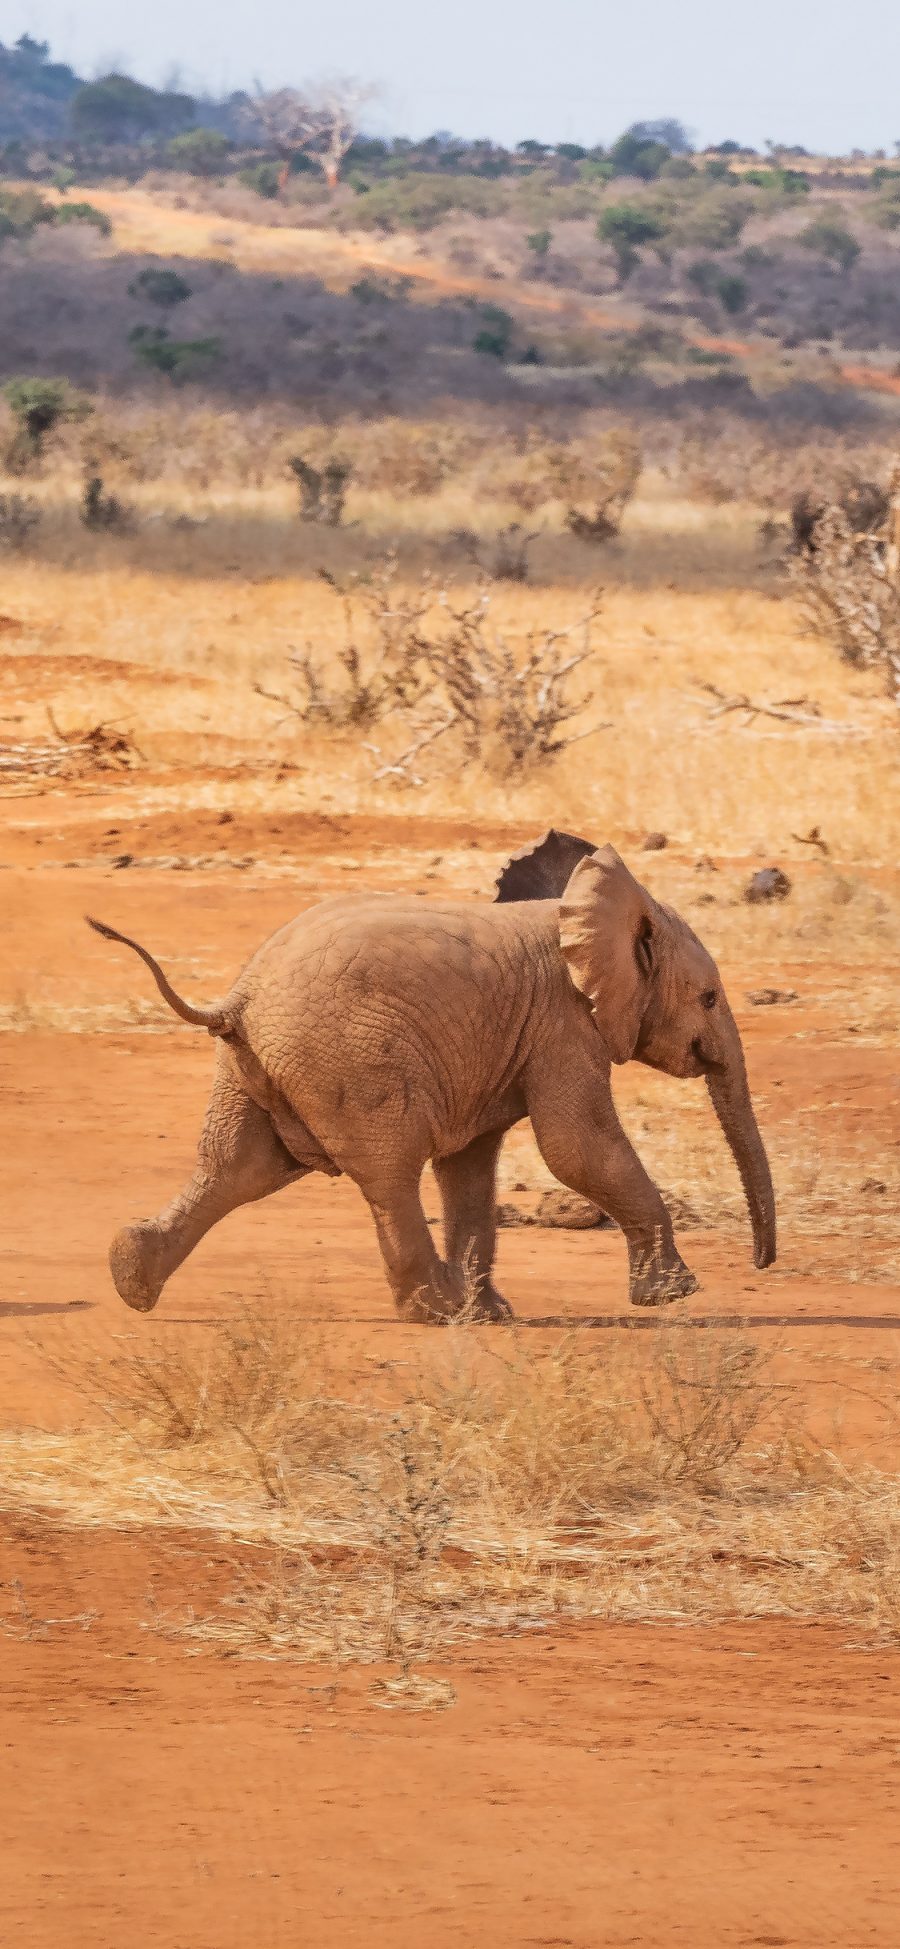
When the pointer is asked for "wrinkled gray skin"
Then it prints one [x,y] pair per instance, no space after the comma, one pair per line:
[375,1033]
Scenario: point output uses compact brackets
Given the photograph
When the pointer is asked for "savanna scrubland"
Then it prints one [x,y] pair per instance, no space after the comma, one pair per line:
[388,541]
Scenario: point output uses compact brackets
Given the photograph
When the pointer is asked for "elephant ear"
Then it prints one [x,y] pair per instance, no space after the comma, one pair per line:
[542,871]
[609,928]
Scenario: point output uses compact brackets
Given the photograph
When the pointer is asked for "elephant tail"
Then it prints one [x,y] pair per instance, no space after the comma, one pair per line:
[214,1019]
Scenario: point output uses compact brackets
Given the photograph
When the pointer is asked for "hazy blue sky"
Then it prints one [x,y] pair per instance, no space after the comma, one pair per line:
[822,72]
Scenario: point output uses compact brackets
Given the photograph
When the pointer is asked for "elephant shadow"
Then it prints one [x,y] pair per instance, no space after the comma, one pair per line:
[877,1322]
[32,1309]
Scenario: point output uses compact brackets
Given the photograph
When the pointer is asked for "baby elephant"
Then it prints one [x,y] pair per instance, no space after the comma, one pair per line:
[374,1033]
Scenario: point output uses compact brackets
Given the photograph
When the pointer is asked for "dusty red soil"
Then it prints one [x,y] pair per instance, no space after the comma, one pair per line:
[616,1785]
[620,1785]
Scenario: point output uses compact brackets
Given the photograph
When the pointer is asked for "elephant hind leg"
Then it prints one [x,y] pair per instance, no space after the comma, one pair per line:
[240,1160]
[468,1185]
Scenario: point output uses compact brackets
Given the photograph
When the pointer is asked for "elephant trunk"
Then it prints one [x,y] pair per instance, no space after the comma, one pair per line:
[730,1096]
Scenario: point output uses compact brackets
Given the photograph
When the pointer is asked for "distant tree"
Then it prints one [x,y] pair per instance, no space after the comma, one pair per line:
[672,133]
[117,109]
[321,123]
[162,287]
[731,291]
[828,234]
[570,152]
[626,226]
[201,152]
[635,155]
[34,91]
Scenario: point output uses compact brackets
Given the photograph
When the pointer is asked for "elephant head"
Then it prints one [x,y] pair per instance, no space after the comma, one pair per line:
[654,992]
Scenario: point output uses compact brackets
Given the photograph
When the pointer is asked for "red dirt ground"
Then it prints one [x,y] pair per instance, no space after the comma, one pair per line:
[721,1785]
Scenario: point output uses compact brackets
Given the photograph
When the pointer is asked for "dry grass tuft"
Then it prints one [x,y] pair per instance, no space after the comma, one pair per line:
[507,1483]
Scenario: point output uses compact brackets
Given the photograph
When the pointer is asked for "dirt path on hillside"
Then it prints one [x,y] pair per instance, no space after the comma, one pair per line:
[143,224]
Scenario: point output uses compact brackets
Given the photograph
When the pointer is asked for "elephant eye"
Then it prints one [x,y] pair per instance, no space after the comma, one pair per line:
[643,949]
[708,998]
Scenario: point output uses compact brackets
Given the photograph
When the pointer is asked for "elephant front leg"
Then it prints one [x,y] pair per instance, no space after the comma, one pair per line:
[468,1185]
[583,1143]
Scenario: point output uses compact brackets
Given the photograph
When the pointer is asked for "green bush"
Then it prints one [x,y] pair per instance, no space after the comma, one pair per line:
[119,109]
[755,258]
[162,287]
[202,152]
[828,234]
[702,275]
[731,292]
[261,177]
[597,169]
[714,221]
[178,359]
[779,182]
[677,169]
[700,355]
[39,405]
[626,226]
[22,210]
[495,336]
[417,202]
[83,213]
[634,155]
[886,211]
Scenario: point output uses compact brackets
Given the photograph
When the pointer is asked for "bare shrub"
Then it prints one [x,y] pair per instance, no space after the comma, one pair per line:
[617,474]
[851,592]
[509,560]
[603,468]
[19,516]
[731,462]
[431,672]
[598,526]
[102,511]
[380,664]
[508,704]
[864,503]
[322,491]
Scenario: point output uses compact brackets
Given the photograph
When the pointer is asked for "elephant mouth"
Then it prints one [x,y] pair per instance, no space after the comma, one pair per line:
[706,1065]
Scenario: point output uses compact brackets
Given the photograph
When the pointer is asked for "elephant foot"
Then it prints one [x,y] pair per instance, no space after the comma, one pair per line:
[489,1306]
[133,1262]
[657,1283]
[449,1296]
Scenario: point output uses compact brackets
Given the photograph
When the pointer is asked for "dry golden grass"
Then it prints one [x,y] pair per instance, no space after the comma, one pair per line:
[498,1488]
[210,611]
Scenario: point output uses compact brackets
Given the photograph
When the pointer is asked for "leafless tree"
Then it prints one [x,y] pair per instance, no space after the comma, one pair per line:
[320,122]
